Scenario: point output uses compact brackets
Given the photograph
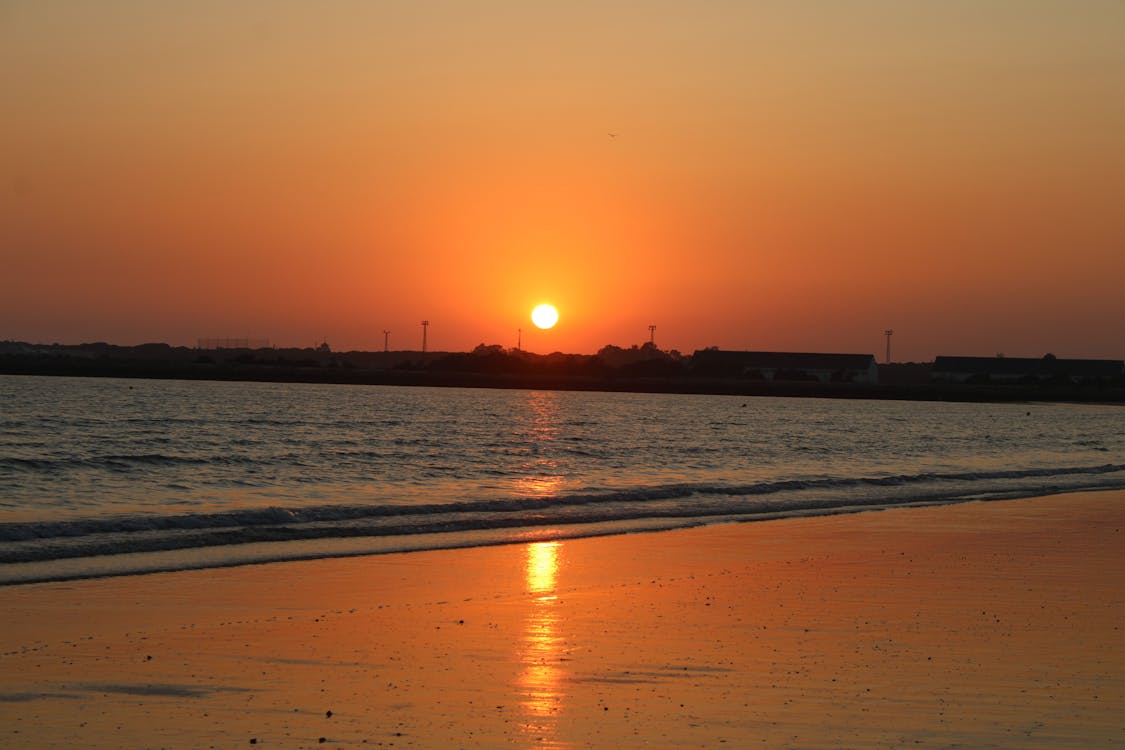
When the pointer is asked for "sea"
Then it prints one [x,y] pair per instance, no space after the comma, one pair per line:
[103,477]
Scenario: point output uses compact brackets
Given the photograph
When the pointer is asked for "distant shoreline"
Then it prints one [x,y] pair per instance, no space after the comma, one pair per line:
[683,384]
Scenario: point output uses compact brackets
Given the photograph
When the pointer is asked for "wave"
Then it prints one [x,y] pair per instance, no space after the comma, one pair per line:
[117,462]
[686,504]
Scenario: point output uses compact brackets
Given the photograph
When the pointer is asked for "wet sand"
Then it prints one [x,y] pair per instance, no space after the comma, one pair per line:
[976,625]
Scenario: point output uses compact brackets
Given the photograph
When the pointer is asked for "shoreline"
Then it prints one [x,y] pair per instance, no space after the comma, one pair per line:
[297,550]
[1107,394]
[974,624]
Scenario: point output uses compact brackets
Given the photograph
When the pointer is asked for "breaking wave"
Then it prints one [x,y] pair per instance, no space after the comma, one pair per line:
[682,504]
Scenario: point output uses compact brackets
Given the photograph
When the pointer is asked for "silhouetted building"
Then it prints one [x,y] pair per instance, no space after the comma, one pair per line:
[823,368]
[215,344]
[1025,370]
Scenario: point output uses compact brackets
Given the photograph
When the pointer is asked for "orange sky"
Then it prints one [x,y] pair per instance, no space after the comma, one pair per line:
[785,175]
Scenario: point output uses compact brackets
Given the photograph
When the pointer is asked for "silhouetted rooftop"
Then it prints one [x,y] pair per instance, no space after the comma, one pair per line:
[783,360]
[1043,366]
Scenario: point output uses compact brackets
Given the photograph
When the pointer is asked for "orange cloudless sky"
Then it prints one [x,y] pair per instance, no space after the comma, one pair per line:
[749,175]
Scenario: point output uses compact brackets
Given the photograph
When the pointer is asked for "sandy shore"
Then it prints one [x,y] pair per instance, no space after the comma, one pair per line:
[977,625]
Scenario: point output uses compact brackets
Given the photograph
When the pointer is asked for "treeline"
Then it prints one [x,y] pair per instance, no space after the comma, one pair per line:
[646,360]
[637,361]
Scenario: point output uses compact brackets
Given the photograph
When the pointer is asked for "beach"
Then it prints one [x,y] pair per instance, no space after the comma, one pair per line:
[978,624]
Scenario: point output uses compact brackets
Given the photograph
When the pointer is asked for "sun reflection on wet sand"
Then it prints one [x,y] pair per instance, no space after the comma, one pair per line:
[541,647]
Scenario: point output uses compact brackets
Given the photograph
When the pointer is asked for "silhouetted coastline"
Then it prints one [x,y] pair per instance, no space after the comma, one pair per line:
[639,369]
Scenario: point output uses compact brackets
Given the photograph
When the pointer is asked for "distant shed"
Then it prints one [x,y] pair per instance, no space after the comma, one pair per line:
[824,368]
[1025,370]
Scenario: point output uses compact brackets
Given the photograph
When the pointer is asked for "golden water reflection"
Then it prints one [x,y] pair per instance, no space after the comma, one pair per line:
[542,423]
[538,486]
[542,646]
[538,431]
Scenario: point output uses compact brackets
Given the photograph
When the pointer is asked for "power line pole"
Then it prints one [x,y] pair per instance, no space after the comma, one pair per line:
[888,333]
[425,326]
[652,335]
[519,339]
[386,339]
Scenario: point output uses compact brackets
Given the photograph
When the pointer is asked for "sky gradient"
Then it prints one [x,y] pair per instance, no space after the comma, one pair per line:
[749,175]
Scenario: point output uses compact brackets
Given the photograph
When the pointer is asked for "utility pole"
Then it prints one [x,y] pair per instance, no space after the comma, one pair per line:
[519,339]
[652,335]
[888,333]
[425,326]
[386,339]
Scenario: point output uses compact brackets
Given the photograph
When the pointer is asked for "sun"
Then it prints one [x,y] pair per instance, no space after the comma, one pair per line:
[545,316]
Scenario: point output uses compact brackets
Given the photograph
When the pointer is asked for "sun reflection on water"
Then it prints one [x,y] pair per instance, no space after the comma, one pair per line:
[541,648]
[540,475]
[538,486]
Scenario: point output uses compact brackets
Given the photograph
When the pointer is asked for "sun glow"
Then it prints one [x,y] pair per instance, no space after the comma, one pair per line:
[545,316]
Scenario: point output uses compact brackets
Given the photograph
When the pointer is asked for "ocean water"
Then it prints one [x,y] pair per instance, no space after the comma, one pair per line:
[108,477]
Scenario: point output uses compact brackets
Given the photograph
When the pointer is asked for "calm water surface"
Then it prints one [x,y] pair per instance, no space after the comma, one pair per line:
[105,476]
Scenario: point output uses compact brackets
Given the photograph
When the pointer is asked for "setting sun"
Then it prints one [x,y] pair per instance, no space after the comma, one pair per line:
[545,316]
